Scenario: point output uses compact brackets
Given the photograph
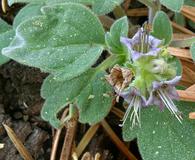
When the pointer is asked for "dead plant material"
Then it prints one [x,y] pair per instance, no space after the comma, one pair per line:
[86,139]
[182,29]
[180,53]
[138,12]
[57,137]
[192,115]
[18,144]
[116,140]
[126,4]
[69,138]
[4,6]
[189,12]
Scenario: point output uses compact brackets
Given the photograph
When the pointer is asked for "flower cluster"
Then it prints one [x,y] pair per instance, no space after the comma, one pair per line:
[147,78]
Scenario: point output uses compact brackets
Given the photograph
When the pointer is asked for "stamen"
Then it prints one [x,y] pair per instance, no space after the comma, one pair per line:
[169,104]
[127,112]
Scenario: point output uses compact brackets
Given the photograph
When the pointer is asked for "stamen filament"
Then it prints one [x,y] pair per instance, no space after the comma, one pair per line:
[169,104]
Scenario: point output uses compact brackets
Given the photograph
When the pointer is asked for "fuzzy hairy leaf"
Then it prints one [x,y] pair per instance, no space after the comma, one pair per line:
[161,136]
[105,6]
[118,29]
[59,94]
[174,5]
[10,2]
[100,7]
[162,28]
[6,36]
[95,101]
[65,41]
[27,12]
[89,90]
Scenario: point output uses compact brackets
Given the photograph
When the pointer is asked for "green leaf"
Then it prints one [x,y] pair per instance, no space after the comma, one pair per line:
[161,136]
[105,6]
[95,101]
[65,41]
[180,19]
[59,94]
[182,43]
[10,2]
[162,28]
[118,29]
[174,5]
[27,12]
[192,50]
[6,35]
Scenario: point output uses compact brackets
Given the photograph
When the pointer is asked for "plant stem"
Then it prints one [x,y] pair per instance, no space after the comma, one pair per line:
[109,62]
[152,10]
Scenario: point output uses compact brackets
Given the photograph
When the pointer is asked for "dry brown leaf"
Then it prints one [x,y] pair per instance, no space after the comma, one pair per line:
[189,12]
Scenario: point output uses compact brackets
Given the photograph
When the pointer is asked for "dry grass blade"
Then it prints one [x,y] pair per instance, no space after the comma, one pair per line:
[4,6]
[117,112]
[69,138]
[138,12]
[18,144]
[189,12]
[86,139]
[121,146]
[182,29]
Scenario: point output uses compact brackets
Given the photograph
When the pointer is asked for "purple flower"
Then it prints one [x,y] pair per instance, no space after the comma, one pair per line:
[141,45]
[162,95]
[135,101]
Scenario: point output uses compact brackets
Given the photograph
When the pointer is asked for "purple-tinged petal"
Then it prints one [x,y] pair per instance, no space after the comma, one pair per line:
[156,85]
[173,81]
[172,92]
[126,42]
[154,42]
[135,55]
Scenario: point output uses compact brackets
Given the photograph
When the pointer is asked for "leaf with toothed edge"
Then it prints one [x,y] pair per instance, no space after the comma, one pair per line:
[161,136]
[65,41]
[79,89]
[59,94]
[95,100]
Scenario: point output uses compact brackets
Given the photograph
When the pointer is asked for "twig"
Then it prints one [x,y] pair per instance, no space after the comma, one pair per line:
[56,138]
[68,142]
[121,146]
[126,4]
[182,29]
[18,144]
[86,139]
[138,12]
[117,112]
[189,12]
